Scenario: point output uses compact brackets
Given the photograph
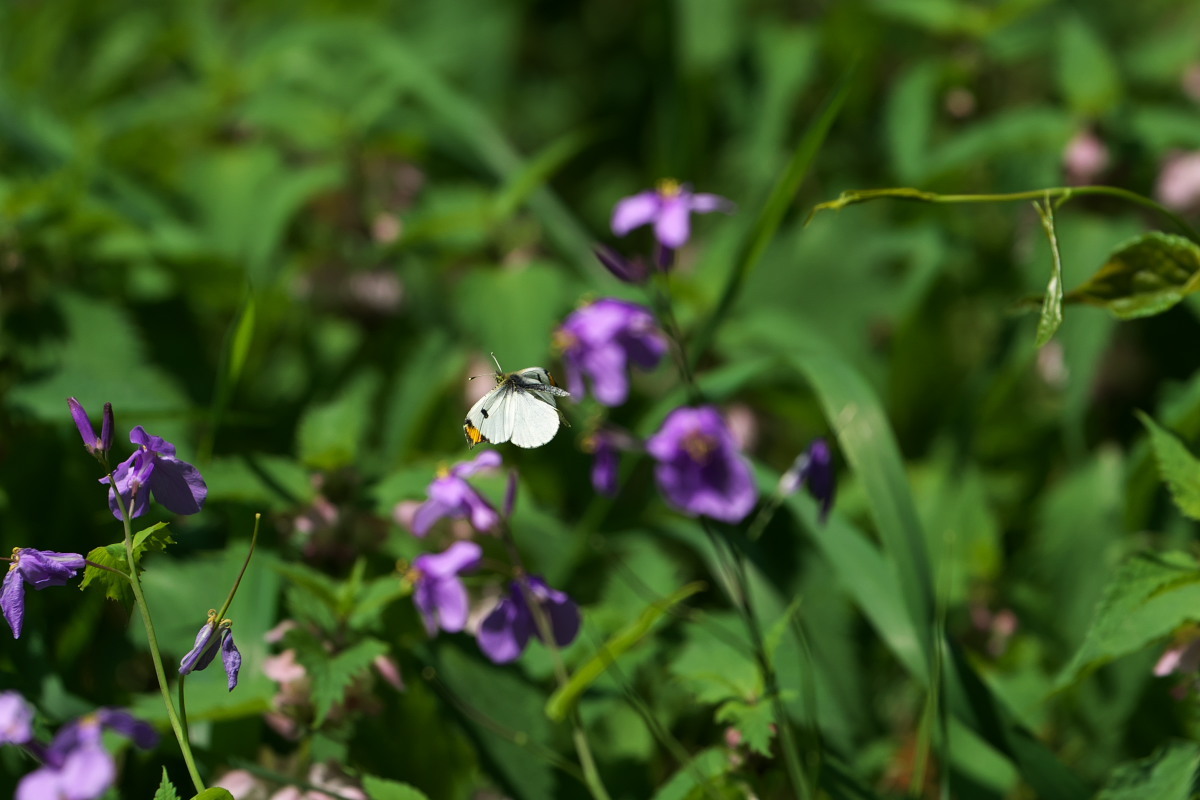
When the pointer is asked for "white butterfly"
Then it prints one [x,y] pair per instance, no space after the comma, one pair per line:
[520,408]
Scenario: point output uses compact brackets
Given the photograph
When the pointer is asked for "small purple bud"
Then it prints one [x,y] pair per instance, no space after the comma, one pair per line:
[86,431]
[813,467]
[624,269]
[106,430]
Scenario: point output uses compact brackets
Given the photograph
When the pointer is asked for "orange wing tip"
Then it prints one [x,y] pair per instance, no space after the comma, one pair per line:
[473,434]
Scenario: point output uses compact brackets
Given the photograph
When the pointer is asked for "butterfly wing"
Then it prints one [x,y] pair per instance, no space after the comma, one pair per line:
[490,419]
[534,421]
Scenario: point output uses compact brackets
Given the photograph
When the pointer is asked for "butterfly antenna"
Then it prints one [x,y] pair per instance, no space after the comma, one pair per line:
[498,367]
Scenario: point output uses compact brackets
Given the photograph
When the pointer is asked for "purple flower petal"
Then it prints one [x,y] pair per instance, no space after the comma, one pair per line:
[488,459]
[202,652]
[449,597]
[673,225]
[178,486]
[699,469]
[706,203]
[624,269]
[87,773]
[427,514]
[155,444]
[12,601]
[40,784]
[502,636]
[439,595]
[42,568]
[16,719]
[138,731]
[106,430]
[455,559]
[633,212]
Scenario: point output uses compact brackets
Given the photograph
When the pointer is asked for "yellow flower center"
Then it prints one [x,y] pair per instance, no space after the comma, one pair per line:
[699,446]
[668,187]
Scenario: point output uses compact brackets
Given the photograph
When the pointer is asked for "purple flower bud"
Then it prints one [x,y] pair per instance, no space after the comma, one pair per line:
[438,593]
[214,636]
[154,469]
[451,496]
[94,444]
[668,207]
[700,470]
[626,270]
[814,468]
[38,568]
[600,340]
[504,633]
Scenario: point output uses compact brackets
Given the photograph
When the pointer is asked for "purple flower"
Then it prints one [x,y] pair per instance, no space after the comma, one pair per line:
[75,765]
[153,468]
[699,468]
[624,269]
[438,593]
[95,444]
[815,468]
[669,207]
[505,631]
[16,719]
[38,568]
[214,636]
[601,338]
[605,446]
[451,496]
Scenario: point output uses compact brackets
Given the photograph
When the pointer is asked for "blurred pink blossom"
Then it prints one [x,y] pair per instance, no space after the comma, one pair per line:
[1085,158]
[1178,185]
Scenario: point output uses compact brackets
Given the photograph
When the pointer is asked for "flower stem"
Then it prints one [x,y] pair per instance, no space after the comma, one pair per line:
[591,774]
[1064,193]
[139,597]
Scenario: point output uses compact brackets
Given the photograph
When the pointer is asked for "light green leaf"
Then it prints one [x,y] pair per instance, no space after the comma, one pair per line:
[215,793]
[381,789]
[151,540]
[697,772]
[1178,467]
[166,789]
[1149,597]
[332,676]
[755,721]
[1144,276]
[563,700]
[1169,774]
[330,435]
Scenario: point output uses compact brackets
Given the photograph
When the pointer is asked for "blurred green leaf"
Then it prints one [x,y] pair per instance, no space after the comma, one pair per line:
[1087,75]
[333,674]
[1143,277]
[537,172]
[330,435]
[911,110]
[1148,597]
[512,312]
[1178,467]
[382,789]
[215,793]
[1169,774]
[690,779]
[561,703]
[754,720]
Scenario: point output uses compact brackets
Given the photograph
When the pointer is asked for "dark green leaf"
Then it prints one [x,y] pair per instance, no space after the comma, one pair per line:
[1149,597]
[702,768]
[1169,774]
[1143,277]
[1178,467]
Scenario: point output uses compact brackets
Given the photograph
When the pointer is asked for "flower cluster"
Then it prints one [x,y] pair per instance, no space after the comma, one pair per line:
[441,597]
[601,339]
[38,568]
[75,765]
[154,469]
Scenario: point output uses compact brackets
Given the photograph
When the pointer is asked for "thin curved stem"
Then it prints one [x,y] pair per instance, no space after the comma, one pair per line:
[152,639]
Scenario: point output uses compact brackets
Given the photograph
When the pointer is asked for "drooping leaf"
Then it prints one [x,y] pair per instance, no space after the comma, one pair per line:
[166,789]
[382,789]
[563,700]
[1150,596]
[1178,467]
[1168,774]
[1144,276]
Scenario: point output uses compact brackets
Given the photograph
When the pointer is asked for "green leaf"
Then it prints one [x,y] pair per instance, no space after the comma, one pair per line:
[166,789]
[754,720]
[151,540]
[330,435]
[1149,597]
[700,770]
[535,174]
[1178,467]
[332,675]
[563,700]
[1169,774]
[1052,313]
[382,789]
[1144,276]
[215,793]
[716,662]
[1087,75]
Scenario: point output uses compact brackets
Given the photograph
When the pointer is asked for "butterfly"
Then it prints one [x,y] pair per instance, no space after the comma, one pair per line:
[520,408]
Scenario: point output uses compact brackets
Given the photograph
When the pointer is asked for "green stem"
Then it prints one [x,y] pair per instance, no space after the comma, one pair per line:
[139,597]
[1064,193]
[591,774]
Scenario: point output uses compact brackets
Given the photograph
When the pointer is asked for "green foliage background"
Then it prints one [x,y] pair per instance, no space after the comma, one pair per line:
[281,235]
